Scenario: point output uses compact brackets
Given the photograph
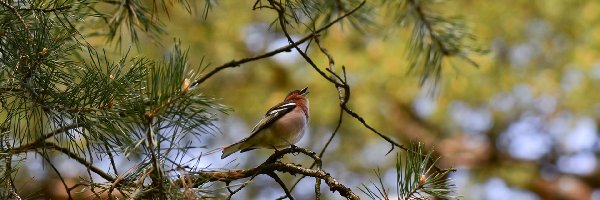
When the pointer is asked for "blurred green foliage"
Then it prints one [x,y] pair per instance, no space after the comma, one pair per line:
[535,44]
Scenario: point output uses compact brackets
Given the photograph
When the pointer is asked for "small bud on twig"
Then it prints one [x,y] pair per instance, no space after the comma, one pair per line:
[422,180]
[44,52]
[185,86]
[111,101]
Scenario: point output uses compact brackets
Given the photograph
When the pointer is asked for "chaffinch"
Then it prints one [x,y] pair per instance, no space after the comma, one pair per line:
[283,125]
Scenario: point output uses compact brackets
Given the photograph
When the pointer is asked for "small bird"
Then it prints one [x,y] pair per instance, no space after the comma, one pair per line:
[282,126]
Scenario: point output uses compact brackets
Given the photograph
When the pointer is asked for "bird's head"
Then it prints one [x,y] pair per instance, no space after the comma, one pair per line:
[297,94]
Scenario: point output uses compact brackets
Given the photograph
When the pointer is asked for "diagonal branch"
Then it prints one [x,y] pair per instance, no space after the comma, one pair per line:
[60,176]
[280,182]
[74,156]
[237,63]
[81,160]
[45,10]
[41,141]
[337,81]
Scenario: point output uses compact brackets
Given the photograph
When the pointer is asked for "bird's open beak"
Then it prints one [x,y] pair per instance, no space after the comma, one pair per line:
[304,91]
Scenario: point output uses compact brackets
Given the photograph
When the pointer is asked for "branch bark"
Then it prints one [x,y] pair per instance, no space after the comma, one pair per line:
[270,166]
[266,168]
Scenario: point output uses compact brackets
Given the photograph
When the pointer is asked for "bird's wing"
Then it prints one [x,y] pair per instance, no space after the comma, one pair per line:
[273,114]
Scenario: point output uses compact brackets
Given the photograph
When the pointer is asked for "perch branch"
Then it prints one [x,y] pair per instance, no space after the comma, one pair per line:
[270,166]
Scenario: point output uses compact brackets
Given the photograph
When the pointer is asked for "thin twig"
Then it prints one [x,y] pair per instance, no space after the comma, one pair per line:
[343,84]
[280,182]
[341,93]
[232,192]
[45,10]
[74,156]
[156,175]
[236,63]
[386,138]
[14,10]
[340,84]
[8,170]
[40,141]
[81,160]
[59,176]
[317,188]
[333,134]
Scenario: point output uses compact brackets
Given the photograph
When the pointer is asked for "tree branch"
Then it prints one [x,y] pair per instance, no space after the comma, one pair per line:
[46,10]
[40,142]
[237,63]
[232,175]
[81,160]
[280,182]
[59,176]
[338,81]
[74,156]
[270,166]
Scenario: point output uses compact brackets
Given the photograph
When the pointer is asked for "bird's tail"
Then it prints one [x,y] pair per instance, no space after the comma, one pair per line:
[213,151]
[228,150]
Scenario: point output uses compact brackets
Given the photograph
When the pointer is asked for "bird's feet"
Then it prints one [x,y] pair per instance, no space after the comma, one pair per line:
[294,149]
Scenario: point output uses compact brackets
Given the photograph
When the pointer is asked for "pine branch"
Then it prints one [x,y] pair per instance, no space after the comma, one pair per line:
[40,142]
[415,178]
[428,24]
[46,10]
[161,101]
[74,156]
[16,12]
[8,89]
[434,39]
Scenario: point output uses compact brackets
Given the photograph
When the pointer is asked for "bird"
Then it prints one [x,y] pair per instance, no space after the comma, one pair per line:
[283,125]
